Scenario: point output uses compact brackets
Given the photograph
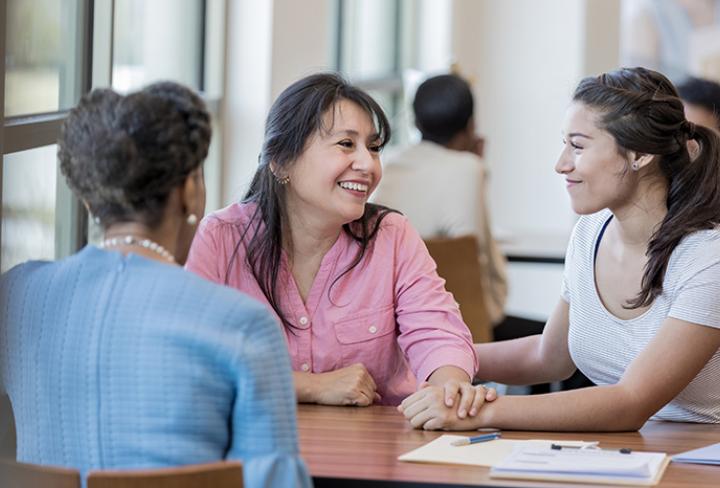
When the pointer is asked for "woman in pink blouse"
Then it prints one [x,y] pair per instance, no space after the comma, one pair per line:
[367,318]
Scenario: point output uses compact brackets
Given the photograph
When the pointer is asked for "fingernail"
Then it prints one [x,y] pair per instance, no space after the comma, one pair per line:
[462,413]
[449,402]
[473,412]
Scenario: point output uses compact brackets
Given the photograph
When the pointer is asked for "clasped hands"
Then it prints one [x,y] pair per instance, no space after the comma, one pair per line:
[449,403]
[432,407]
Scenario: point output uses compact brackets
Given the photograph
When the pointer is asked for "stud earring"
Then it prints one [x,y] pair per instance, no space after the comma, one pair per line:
[635,166]
[192,219]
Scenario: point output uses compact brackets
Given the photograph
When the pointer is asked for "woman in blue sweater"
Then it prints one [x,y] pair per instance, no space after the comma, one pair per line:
[116,357]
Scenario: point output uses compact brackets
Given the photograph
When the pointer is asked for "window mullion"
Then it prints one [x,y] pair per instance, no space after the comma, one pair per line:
[102,42]
[24,133]
[3,29]
[70,214]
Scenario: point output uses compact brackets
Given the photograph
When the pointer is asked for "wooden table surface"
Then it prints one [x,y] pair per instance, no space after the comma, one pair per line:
[353,447]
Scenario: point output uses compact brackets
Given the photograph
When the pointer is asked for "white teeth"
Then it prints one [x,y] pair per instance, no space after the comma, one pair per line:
[349,185]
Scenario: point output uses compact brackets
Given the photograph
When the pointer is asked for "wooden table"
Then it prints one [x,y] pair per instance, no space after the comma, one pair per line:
[353,447]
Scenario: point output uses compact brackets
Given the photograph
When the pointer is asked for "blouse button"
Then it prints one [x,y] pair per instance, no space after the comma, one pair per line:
[305,367]
[372,329]
[303,320]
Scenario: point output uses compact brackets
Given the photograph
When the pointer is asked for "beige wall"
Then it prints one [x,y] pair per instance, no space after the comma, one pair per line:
[302,40]
[270,43]
[247,91]
[526,57]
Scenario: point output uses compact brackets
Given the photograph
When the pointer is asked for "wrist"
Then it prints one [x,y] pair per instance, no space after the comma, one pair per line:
[486,417]
[306,387]
[446,373]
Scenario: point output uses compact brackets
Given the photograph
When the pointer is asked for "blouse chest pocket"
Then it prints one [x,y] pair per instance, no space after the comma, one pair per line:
[371,339]
[365,327]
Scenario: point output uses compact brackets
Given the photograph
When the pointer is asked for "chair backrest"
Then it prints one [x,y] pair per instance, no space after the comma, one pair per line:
[458,263]
[226,474]
[22,475]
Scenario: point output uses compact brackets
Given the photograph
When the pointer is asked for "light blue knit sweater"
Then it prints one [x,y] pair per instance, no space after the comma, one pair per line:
[115,361]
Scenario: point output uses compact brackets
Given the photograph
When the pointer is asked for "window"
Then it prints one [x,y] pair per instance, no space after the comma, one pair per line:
[45,72]
[160,39]
[676,37]
[42,52]
[56,50]
[389,47]
[28,201]
[374,47]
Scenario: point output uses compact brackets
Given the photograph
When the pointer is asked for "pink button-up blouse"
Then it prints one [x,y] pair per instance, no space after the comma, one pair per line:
[391,312]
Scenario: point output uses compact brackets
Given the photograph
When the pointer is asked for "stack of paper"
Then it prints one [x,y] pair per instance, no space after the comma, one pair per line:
[576,461]
[704,455]
[442,450]
[539,462]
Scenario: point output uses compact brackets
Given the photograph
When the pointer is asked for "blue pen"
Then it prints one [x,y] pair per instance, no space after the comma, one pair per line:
[478,438]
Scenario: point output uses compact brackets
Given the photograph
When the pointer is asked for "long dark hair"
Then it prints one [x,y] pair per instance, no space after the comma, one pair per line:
[294,117]
[640,108]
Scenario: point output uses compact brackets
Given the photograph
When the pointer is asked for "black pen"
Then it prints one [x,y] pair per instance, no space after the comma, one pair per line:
[559,447]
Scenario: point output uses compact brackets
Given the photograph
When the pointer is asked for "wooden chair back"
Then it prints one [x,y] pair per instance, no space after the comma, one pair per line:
[225,474]
[23,475]
[458,263]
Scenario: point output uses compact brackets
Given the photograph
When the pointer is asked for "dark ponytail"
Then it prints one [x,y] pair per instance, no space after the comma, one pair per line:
[640,108]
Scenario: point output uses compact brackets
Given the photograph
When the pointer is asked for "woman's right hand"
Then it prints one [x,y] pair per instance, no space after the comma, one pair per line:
[351,385]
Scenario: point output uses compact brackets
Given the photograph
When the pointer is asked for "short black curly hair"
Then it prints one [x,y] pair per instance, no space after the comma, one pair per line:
[123,155]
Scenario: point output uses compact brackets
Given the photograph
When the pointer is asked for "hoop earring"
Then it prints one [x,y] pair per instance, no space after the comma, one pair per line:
[282,180]
[192,219]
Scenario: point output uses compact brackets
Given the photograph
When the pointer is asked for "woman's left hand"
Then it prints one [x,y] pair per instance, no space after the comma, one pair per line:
[432,407]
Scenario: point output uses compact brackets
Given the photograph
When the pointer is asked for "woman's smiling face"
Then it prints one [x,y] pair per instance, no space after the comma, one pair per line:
[338,169]
[596,173]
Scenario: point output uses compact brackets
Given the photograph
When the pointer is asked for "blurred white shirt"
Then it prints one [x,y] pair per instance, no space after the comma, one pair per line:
[443,193]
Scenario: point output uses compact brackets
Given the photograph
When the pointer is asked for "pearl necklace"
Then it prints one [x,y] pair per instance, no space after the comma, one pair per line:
[131,240]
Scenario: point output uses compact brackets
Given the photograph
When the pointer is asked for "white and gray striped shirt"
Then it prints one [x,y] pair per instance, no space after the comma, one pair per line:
[603,346]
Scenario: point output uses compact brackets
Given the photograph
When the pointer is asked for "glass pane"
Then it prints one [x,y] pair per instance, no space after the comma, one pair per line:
[369,38]
[391,103]
[157,40]
[28,206]
[676,37]
[42,61]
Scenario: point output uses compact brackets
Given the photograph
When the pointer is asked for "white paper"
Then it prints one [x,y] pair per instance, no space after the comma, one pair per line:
[704,455]
[487,453]
[577,461]
[531,461]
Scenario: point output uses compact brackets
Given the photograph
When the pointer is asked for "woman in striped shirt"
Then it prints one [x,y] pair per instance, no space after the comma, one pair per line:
[642,274]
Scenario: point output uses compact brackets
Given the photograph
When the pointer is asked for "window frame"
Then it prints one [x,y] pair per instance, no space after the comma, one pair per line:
[26,132]
[95,20]
[3,12]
